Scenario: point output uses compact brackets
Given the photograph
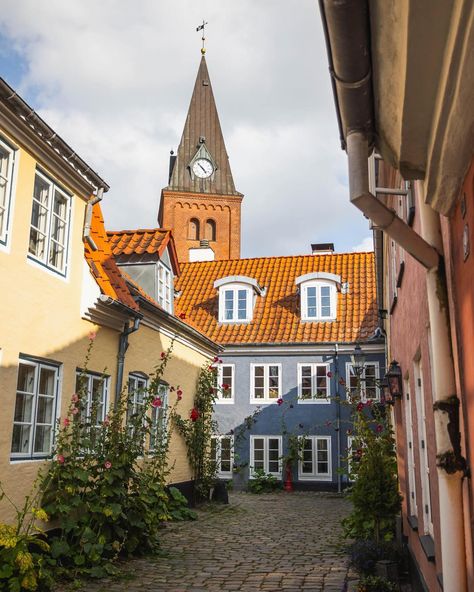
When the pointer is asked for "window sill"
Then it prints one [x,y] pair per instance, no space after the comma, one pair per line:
[413,522]
[264,401]
[22,459]
[314,477]
[314,401]
[224,402]
[428,547]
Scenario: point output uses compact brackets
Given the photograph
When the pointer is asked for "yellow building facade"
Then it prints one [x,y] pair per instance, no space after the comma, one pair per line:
[52,298]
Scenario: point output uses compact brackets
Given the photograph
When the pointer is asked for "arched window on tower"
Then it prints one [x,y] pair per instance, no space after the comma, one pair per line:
[193,230]
[210,230]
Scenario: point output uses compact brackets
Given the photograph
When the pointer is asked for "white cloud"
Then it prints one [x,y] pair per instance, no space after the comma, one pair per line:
[366,245]
[114,78]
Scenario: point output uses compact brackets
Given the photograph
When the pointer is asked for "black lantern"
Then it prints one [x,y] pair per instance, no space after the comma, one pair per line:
[358,360]
[386,396]
[394,378]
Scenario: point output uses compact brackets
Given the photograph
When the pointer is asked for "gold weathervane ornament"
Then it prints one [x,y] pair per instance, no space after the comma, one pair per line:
[201,28]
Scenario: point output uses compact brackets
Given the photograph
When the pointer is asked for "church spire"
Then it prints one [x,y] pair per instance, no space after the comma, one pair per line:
[202,146]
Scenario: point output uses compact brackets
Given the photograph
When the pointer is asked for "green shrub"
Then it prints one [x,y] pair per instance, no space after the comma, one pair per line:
[376,584]
[263,482]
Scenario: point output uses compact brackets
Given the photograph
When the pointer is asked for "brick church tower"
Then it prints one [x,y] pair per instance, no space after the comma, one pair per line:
[201,202]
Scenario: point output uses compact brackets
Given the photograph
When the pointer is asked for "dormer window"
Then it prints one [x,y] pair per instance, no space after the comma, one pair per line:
[237,296]
[318,292]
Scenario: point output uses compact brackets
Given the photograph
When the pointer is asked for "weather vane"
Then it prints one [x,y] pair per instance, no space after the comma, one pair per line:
[201,28]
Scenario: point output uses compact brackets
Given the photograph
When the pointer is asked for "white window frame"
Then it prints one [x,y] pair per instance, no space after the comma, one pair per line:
[266,459]
[216,441]
[159,416]
[314,399]
[164,287]
[50,215]
[35,394]
[410,455]
[90,377]
[266,379]
[318,284]
[350,374]
[316,475]
[136,393]
[220,398]
[234,289]
[6,208]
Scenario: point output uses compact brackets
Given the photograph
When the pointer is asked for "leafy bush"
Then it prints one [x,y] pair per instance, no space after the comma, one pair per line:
[263,482]
[364,554]
[376,584]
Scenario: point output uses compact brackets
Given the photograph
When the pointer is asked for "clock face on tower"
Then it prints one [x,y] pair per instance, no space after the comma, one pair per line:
[203,168]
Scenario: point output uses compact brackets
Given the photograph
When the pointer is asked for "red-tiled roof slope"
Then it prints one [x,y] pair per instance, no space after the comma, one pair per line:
[102,263]
[277,317]
[143,241]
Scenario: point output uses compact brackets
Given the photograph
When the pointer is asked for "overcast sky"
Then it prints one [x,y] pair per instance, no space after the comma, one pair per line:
[114,78]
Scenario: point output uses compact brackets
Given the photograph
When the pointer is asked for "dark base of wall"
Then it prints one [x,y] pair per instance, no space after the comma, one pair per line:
[300,486]
[187,489]
[416,578]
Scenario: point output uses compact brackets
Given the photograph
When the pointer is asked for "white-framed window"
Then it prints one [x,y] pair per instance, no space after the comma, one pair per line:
[222,452]
[93,390]
[7,158]
[159,417]
[265,455]
[313,383]
[368,382]
[50,221]
[164,287]
[318,301]
[265,383]
[235,303]
[137,386]
[315,463]
[35,409]
[225,383]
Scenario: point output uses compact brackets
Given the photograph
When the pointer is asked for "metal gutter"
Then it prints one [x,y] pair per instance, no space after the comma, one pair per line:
[21,109]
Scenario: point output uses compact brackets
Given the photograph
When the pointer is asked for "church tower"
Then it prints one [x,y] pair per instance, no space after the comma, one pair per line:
[201,202]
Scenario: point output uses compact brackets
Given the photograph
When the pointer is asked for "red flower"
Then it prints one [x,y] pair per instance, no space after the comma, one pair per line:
[66,422]
[106,421]
[157,402]
[194,414]
[379,428]
[74,410]
[279,402]
[216,359]
[75,398]
[60,459]
[108,464]
[92,335]
[179,397]
[179,392]
[329,374]
[226,386]
[360,406]
[182,315]
[342,381]
[163,355]
[369,403]
[359,452]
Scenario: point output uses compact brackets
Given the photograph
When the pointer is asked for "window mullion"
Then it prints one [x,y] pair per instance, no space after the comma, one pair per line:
[34,410]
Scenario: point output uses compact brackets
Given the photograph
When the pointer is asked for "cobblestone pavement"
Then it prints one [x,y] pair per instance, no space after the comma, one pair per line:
[282,541]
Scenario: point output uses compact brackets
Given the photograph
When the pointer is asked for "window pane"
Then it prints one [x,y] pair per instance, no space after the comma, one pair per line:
[259,382]
[325,301]
[273,382]
[44,410]
[321,382]
[229,305]
[307,464]
[323,455]
[227,381]
[47,382]
[23,407]
[21,438]
[226,455]
[311,301]
[370,381]
[242,304]
[306,382]
[26,378]
[43,439]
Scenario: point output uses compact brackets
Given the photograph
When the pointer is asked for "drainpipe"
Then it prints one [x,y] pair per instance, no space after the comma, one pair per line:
[338,417]
[122,350]
[86,234]
[450,463]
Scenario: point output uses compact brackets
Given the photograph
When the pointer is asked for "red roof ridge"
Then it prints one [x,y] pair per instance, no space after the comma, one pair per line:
[134,231]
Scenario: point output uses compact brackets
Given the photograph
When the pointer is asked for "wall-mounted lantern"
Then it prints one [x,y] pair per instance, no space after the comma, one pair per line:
[394,379]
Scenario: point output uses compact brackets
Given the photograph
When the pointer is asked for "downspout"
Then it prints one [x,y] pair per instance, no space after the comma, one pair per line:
[86,233]
[122,350]
[338,417]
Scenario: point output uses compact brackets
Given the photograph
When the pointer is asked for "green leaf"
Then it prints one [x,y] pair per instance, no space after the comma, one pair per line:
[5,572]
[79,559]
[59,548]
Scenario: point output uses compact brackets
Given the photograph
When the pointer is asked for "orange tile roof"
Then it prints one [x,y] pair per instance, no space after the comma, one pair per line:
[103,265]
[276,317]
[143,241]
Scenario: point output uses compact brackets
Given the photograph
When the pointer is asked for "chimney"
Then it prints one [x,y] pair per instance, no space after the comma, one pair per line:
[322,248]
[201,253]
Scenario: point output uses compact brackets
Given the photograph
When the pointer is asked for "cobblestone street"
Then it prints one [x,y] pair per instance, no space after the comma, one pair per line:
[269,542]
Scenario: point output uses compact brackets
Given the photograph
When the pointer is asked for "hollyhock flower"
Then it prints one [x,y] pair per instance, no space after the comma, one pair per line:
[92,335]
[157,402]
[75,398]
[179,397]
[279,402]
[108,464]
[66,422]
[74,410]
[359,452]
[226,386]
[342,381]
[60,459]
[379,428]
[179,392]
[163,355]
[216,359]
[369,403]
[106,420]
[220,361]
[329,374]
[360,406]
[182,315]
[194,414]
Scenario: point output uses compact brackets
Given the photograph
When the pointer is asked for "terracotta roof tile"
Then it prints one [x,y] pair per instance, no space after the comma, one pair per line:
[276,317]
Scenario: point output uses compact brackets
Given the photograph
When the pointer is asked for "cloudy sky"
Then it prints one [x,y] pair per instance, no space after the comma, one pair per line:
[115,77]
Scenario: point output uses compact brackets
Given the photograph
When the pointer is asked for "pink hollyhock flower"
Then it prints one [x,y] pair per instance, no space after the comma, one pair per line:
[60,459]
[163,355]
[75,398]
[329,374]
[359,452]
[360,406]
[106,420]
[194,414]
[279,402]
[369,403]
[182,315]
[108,464]
[157,402]
[216,359]
[92,335]
[379,428]
[66,422]
[226,386]
[179,392]
[179,397]
[74,410]
[220,361]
